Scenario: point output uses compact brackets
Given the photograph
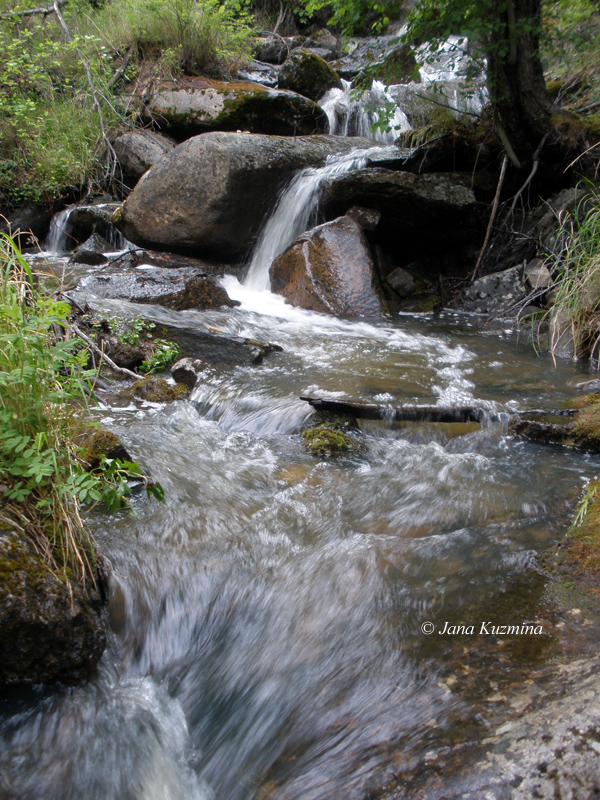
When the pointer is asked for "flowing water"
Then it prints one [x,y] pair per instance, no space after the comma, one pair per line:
[269,624]
[266,622]
[357,116]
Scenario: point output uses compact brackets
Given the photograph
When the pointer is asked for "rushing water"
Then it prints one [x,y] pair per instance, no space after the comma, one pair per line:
[357,116]
[266,622]
[295,210]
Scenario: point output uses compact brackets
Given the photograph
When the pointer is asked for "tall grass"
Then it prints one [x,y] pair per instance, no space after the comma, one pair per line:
[576,310]
[41,385]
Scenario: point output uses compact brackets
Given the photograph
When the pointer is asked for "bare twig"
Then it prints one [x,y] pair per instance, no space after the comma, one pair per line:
[492,217]
[103,355]
[30,12]
[281,17]
[536,163]
[121,71]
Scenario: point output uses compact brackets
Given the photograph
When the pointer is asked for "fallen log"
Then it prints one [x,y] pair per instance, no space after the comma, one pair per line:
[422,413]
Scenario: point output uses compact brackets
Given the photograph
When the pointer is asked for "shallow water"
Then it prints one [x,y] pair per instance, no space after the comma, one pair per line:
[266,622]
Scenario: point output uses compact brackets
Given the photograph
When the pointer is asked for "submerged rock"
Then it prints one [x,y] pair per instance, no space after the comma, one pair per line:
[329,269]
[48,631]
[308,74]
[156,390]
[179,289]
[328,441]
[204,347]
[209,196]
[139,150]
[212,105]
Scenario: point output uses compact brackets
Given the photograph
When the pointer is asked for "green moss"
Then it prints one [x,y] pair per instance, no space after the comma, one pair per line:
[157,390]
[585,428]
[102,443]
[326,441]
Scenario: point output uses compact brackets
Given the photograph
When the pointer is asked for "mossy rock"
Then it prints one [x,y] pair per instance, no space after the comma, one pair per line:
[420,303]
[326,441]
[308,74]
[157,390]
[101,443]
[49,630]
[398,66]
[327,419]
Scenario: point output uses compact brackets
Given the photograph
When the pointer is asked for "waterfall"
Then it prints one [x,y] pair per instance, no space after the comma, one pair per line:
[58,239]
[295,210]
[356,117]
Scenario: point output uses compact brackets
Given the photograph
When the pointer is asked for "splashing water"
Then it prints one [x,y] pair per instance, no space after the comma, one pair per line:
[356,117]
[294,212]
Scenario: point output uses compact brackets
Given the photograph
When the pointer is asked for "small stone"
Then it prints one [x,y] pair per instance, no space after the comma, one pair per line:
[537,275]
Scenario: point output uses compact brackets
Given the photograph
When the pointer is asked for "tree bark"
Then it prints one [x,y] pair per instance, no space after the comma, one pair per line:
[522,105]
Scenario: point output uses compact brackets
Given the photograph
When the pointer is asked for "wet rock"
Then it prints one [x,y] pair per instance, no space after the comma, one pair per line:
[259,72]
[549,752]
[101,443]
[123,354]
[31,221]
[308,74]
[498,295]
[420,303]
[47,632]
[372,52]
[186,371]
[421,215]
[85,220]
[275,49]
[210,195]
[537,275]
[156,390]
[329,269]
[367,218]
[179,289]
[139,150]
[211,106]
[325,40]
[210,348]
[401,281]
[91,251]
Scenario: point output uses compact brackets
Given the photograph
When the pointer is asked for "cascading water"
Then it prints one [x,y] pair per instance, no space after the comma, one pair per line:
[293,213]
[350,116]
[59,239]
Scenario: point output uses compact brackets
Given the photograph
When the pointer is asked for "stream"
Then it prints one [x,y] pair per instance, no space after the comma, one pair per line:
[266,635]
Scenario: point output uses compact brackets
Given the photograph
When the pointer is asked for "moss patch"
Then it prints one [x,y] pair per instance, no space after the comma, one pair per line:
[326,441]
[157,390]
[102,443]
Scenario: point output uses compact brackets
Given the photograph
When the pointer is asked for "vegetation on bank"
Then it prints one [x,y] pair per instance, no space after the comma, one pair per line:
[45,480]
[66,89]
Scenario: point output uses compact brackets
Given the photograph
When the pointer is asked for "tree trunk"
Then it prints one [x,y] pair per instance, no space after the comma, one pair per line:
[522,106]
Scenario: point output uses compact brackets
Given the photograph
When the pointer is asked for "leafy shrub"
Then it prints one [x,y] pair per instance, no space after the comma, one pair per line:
[43,384]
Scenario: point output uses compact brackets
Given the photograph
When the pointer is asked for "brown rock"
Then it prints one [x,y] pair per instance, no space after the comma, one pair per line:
[329,269]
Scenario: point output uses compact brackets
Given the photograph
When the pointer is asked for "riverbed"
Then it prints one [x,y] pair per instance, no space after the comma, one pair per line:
[276,625]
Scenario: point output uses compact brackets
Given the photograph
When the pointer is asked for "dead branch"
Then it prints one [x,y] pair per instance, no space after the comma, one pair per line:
[30,12]
[492,217]
[102,354]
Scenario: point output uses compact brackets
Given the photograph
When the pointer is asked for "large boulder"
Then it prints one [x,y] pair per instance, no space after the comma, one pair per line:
[421,215]
[308,74]
[48,630]
[205,105]
[139,150]
[209,196]
[329,269]
[180,289]
[275,49]
[499,295]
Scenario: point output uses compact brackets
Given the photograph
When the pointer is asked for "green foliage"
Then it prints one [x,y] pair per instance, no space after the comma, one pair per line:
[326,441]
[193,36]
[43,384]
[351,15]
[577,262]
[160,353]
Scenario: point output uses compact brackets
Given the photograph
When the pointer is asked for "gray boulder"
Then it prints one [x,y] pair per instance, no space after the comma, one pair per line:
[329,269]
[275,49]
[139,150]
[308,74]
[179,289]
[209,196]
[47,632]
[499,295]
[190,110]
[199,348]
[421,215]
